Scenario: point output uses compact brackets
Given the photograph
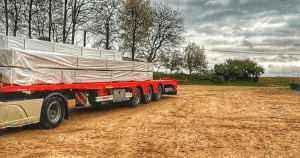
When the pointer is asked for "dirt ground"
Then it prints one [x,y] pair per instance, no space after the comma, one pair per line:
[201,121]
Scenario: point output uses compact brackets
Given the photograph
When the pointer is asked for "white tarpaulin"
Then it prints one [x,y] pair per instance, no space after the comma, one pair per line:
[140,76]
[107,54]
[118,56]
[39,45]
[35,59]
[91,63]
[91,52]
[119,65]
[122,76]
[15,42]
[88,76]
[140,66]
[150,67]
[150,75]
[68,76]
[21,76]
[67,49]
[3,42]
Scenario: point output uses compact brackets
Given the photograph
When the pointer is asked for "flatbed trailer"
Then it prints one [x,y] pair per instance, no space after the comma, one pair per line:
[48,104]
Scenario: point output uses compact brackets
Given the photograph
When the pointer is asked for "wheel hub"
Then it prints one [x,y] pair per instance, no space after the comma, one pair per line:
[54,112]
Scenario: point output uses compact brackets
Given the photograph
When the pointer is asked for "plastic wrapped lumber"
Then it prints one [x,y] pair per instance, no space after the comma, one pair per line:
[150,75]
[6,57]
[107,54]
[89,76]
[122,76]
[15,42]
[91,63]
[3,42]
[35,59]
[68,76]
[118,56]
[67,49]
[39,45]
[22,76]
[119,65]
[91,52]
[140,66]
[140,76]
[150,67]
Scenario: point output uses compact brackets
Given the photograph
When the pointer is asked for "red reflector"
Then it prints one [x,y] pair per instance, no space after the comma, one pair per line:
[68,103]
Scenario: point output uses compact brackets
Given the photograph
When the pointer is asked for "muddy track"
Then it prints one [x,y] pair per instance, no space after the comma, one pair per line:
[202,121]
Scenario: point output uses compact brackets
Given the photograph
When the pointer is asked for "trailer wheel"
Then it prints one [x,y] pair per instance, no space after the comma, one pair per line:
[158,94]
[147,99]
[136,99]
[53,112]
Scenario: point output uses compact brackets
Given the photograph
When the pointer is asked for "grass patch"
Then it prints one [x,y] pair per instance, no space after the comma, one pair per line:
[203,80]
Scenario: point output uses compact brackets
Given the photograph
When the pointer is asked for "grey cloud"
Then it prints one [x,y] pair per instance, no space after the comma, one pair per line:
[247,43]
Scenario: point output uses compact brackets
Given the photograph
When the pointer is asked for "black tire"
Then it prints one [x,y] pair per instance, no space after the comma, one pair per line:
[158,94]
[136,99]
[147,99]
[92,101]
[53,112]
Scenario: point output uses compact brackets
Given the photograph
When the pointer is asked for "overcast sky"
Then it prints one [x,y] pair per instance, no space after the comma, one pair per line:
[239,28]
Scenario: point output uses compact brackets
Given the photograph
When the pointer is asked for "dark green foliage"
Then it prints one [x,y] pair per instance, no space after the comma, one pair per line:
[238,70]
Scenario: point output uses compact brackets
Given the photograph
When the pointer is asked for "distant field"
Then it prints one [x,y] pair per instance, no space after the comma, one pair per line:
[277,81]
[263,81]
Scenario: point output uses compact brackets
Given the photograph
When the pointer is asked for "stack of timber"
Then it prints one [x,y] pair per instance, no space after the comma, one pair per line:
[29,62]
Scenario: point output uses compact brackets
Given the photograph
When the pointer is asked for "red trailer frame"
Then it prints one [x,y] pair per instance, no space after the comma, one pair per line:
[53,98]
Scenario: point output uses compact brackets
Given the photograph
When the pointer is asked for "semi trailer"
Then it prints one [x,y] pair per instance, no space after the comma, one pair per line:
[48,104]
[39,78]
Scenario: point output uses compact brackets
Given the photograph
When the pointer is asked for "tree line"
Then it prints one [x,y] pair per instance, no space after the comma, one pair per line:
[131,26]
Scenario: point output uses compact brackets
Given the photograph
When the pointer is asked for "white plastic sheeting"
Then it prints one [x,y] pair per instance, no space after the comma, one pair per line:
[68,76]
[15,42]
[11,42]
[3,42]
[67,49]
[38,64]
[119,65]
[150,67]
[35,59]
[118,56]
[21,76]
[107,54]
[88,76]
[150,75]
[141,76]
[39,45]
[122,76]
[91,63]
[91,52]
[140,66]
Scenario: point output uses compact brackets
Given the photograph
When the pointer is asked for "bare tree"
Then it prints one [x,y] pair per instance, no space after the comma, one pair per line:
[165,32]
[65,21]
[80,15]
[15,14]
[50,19]
[6,17]
[135,20]
[105,22]
[195,60]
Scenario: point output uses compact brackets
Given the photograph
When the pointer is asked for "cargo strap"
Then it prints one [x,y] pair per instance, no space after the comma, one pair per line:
[81,98]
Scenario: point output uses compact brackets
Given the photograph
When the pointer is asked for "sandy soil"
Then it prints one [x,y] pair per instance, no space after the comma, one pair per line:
[202,121]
